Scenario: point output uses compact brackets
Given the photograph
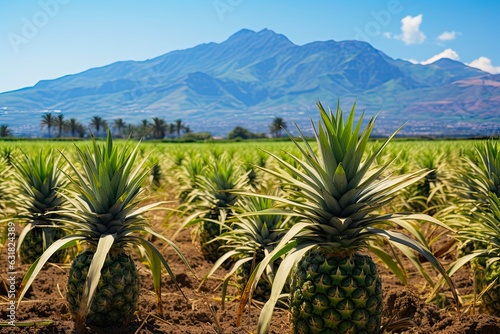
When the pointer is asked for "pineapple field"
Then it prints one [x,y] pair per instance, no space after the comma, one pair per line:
[340,233]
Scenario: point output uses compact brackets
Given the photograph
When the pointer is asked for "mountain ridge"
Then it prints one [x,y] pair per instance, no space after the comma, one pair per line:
[252,77]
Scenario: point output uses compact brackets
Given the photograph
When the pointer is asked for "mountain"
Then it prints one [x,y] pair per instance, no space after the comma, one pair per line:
[254,76]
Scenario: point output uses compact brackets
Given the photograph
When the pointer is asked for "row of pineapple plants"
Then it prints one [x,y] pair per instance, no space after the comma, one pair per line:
[333,196]
[309,181]
[328,200]
[478,223]
[91,201]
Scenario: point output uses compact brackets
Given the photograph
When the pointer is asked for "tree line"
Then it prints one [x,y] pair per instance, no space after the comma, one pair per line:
[275,129]
[158,128]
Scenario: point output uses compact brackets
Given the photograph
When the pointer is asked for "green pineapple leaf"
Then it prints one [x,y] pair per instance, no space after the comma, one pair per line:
[34,269]
[94,274]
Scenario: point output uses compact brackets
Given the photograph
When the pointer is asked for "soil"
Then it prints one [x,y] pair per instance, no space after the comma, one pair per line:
[405,308]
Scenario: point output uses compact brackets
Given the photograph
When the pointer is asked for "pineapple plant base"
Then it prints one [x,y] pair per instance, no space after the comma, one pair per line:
[210,250]
[119,287]
[182,317]
[335,294]
[32,246]
[263,289]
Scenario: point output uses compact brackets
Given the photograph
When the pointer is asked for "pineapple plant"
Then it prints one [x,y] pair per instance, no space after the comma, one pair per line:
[486,263]
[107,220]
[428,194]
[7,193]
[479,231]
[254,160]
[156,173]
[212,199]
[39,181]
[6,185]
[251,235]
[336,194]
[484,256]
[189,171]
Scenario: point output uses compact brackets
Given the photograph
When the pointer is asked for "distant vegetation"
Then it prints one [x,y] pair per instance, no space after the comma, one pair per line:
[242,133]
[5,131]
[158,128]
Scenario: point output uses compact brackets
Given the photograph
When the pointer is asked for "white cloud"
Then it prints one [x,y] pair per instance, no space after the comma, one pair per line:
[387,35]
[447,36]
[410,30]
[448,53]
[484,63]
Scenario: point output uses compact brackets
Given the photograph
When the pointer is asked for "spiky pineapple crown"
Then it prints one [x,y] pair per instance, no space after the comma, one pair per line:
[486,169]
[6,185]
[251,232]
[40,179]
[214,186]
[485,229]
[107,188]
[339,189]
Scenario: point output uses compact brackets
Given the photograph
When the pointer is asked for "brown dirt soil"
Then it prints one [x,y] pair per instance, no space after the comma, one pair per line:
[405,310]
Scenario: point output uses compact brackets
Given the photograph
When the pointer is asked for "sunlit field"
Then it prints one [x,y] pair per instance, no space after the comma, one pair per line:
[195,181]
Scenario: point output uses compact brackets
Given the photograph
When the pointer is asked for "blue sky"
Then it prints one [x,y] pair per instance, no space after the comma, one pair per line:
[46,39]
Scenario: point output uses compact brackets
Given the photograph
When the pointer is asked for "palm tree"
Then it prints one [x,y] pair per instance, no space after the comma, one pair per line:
[105,126]
[171,129]
[119,125]
[97,123]
[129,130]
[159,127]
[179,127]
[73,125]
[277,125]
[47,121]
[59,122]
[5,131]
[80,129]
[143,129]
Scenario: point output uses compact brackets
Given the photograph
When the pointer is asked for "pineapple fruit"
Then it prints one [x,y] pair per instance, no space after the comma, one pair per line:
[336,193]
[107,219]
[116,294]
